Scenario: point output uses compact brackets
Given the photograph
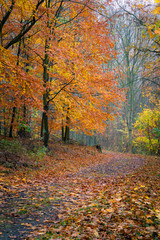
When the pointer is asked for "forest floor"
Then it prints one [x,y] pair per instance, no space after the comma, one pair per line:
[75,192]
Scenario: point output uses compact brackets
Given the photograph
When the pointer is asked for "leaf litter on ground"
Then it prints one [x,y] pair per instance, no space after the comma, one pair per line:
[78,193]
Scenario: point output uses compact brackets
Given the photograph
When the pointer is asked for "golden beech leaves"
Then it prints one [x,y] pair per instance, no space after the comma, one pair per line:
[78,46]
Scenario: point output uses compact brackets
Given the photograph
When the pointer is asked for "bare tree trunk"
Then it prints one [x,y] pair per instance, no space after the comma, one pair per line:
[63,132]
[158,152]
[45,99]
[46,130]
[67,130]
[12,120]
[42,125]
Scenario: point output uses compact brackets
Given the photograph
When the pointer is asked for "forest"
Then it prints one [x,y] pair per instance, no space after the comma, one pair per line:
[81,71]
[79,119]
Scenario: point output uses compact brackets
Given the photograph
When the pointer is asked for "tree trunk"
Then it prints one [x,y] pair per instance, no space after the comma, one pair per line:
[4,123]
[67,129]
[46,64]
[12,120]
[46,130]
[130,140]
[158,152]
[42,124]
[63,132]
[45,99]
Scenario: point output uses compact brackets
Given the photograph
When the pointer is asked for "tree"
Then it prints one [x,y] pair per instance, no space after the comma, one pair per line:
[17,20]
[148,130]
[67,47]
[79,91]
[146,15]
[131,61]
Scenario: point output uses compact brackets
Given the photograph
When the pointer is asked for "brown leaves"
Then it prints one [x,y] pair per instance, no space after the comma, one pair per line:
[89,203]
[124,209]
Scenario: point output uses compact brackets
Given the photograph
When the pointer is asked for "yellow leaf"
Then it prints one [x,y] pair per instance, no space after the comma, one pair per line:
[27,224]
[51,198]
[22,209]
[24,180]
[147,197]
[96,233]
[156,10]
[149,221]
[158,214]
[110,210]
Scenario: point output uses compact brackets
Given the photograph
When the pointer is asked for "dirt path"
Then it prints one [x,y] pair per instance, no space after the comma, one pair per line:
[117,165]
[27,210]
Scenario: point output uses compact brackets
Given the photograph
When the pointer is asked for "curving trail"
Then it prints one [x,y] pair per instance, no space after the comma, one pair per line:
[29,209]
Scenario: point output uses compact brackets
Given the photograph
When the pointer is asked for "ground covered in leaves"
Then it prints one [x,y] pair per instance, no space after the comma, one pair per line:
[74,192]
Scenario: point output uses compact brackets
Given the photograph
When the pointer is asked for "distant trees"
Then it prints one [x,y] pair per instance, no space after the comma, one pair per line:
[131,61]
[138,64]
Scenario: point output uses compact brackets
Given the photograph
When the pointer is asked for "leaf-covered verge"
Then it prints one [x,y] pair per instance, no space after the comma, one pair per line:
[74,192]
[114,208]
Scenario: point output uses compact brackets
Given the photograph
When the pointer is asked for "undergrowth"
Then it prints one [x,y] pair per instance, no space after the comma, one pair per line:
[14,151]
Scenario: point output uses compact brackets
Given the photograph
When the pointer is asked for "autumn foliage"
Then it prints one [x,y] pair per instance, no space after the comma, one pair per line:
[61,65]
[54,61]
[148,130]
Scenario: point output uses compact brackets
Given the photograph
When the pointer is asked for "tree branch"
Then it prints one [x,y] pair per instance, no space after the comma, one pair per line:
[60,90]
[6,15]
[71,19]
[152,81]
[74,98]
[149,50]
[92,9]
[26,27]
